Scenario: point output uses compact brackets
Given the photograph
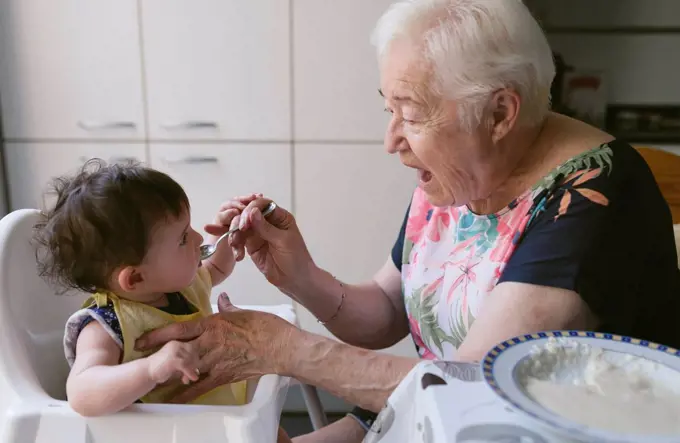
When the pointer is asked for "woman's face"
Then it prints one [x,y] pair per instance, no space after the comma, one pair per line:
[454,167]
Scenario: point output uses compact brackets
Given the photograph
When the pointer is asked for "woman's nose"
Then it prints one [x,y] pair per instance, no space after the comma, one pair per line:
[394,139]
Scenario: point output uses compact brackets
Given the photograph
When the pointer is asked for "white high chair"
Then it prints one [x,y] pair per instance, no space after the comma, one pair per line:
[33,371]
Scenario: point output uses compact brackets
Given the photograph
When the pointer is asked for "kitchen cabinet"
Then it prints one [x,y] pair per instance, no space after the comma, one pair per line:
[31,166]
[214,173]
[607,14]
[336,71]
[70,69]
[350,202]
[217,69]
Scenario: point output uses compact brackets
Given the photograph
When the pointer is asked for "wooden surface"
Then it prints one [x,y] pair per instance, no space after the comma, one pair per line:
[666,169]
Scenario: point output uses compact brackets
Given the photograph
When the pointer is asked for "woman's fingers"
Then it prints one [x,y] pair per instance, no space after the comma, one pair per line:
[254,206]
[181,331]
[236,239]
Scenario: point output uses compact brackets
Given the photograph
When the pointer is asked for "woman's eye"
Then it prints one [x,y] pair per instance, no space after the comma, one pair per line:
[388,110]
[184,239]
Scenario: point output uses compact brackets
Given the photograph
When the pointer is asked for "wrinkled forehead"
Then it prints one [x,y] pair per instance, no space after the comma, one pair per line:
[405,73]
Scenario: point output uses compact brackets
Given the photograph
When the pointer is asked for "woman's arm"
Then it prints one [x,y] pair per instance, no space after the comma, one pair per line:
[236,345]
[371,316]
[362,377]
[521,308]
[367,378]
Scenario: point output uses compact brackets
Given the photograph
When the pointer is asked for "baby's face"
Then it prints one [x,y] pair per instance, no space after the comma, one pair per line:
[174,256]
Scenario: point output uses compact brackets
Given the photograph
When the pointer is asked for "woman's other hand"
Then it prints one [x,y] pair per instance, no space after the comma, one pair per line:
[233,345]
[274,244]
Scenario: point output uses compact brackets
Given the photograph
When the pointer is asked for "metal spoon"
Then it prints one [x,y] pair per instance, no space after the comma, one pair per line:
[208,250]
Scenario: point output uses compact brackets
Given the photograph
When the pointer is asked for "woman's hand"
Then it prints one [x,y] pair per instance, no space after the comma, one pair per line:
[232,346]
[275,245]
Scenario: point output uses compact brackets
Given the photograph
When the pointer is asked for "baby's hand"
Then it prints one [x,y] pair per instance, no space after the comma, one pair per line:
[173,358]
[228,214]
[228,217]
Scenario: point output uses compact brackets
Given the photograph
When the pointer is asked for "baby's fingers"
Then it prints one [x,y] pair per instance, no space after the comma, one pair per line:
[239,202]
[189,372]
[222,222]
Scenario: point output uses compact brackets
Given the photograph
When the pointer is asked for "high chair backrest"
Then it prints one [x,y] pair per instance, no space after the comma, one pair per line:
[32,315]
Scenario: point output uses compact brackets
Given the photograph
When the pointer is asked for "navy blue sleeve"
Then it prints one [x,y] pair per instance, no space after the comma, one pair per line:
[109,315]
[614,246]
[398,248]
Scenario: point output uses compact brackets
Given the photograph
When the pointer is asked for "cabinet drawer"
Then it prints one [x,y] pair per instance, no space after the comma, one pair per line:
[71,69]
[217,69]
[214,173]
[32,166]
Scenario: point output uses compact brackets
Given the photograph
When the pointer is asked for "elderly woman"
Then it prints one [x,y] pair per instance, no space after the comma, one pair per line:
[523,220]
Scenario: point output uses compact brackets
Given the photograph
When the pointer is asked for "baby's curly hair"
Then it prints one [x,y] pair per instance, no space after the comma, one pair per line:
[103,219]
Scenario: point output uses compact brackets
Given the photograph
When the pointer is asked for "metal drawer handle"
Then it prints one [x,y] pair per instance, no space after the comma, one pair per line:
[191,160]
[93,126]
[194,124]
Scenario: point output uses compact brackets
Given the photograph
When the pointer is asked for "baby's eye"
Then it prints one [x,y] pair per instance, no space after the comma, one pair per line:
[183,242]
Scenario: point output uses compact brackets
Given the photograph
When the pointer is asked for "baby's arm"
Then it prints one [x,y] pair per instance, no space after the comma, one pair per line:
[99,385]
[221,263]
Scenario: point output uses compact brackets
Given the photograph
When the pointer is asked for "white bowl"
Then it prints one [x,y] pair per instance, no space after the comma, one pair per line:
[504,369]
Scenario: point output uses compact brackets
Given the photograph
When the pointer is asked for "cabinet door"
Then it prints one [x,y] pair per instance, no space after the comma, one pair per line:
[350,203]
[217,69]
[214,173]
[32,166]
[336,70]
[70,69]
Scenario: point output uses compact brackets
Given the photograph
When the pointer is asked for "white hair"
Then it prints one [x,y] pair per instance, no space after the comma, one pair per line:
[476,47]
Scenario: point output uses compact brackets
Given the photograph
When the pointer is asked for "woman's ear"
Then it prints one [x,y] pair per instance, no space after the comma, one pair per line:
[129,278]
[505,107]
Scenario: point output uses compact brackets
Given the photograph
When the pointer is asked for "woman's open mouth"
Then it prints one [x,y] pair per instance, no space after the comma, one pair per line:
[424,176]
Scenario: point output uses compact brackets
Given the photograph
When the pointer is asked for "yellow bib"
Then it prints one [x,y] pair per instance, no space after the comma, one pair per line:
[137,318]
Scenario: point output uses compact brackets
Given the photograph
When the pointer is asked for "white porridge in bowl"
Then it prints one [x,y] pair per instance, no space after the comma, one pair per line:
[602,389]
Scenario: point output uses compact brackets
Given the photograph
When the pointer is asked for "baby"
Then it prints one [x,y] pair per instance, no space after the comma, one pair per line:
[123,235]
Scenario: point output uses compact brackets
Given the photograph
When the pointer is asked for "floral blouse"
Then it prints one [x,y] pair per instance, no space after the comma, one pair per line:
[597,225]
